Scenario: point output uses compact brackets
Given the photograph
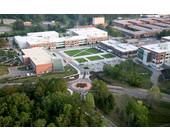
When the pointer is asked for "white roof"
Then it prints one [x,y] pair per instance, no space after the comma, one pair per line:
[123,47]
[89,32]
[38,55]
[159,48]
[47,33]
[166,37]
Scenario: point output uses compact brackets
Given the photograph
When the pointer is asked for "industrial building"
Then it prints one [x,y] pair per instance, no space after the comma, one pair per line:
[144,26]
[41,60]
[155,55]
[120,49]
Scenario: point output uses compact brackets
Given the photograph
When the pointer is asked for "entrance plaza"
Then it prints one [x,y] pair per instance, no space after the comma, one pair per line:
[89,58]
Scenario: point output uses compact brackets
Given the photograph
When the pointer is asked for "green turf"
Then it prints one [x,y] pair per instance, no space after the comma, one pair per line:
[93,58]
[81,52]
[3,70]
[94,51]
[108,55]
[80,60]
[73,52]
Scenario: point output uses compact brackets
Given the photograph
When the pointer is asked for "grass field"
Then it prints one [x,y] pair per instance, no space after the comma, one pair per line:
[164,85]
[82,52]
[93,58]
[108,55]
[26,68]
[69,70]
[80,60]
[3,70]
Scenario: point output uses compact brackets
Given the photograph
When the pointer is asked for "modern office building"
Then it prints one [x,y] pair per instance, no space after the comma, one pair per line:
[120,49]
[155,55]
[41,60]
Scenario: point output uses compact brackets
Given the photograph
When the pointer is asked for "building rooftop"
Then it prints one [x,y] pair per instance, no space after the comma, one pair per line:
[123,47]
[129,31]
[43,34]
[38,55]
[159,47]
[89,32]
[166,37]
[162,24]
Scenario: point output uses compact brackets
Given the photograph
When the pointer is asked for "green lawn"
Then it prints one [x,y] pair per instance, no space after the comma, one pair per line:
[164,85]
[80,60]
[3,70]
[93,58]
[26,68]
[81,52]
[93,51]
[108,55]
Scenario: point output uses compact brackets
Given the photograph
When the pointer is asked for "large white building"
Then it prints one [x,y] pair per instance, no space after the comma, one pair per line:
[52,40]
[155,55]
[120,49]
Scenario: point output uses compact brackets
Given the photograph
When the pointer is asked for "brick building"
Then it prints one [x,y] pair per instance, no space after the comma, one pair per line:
[155,55]
[41,60]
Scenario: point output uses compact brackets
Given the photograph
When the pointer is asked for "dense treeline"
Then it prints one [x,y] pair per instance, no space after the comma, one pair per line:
[46,103]
[63,18]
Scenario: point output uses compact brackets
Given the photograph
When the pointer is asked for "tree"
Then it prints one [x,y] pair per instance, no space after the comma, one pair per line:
[104,100]
[2,42]
[2,22]
[100,27]
[153,97]
[135,79]
[137,113]
[18,25]
[40,123]
[90,103]
[37,28]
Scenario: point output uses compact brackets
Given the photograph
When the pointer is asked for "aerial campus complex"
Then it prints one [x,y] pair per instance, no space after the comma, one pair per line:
[154,55]
[103,63]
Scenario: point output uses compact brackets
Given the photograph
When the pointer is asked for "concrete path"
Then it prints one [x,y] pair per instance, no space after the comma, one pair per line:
[135,92]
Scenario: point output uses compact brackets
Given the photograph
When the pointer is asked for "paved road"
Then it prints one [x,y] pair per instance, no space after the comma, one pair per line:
[135,92]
